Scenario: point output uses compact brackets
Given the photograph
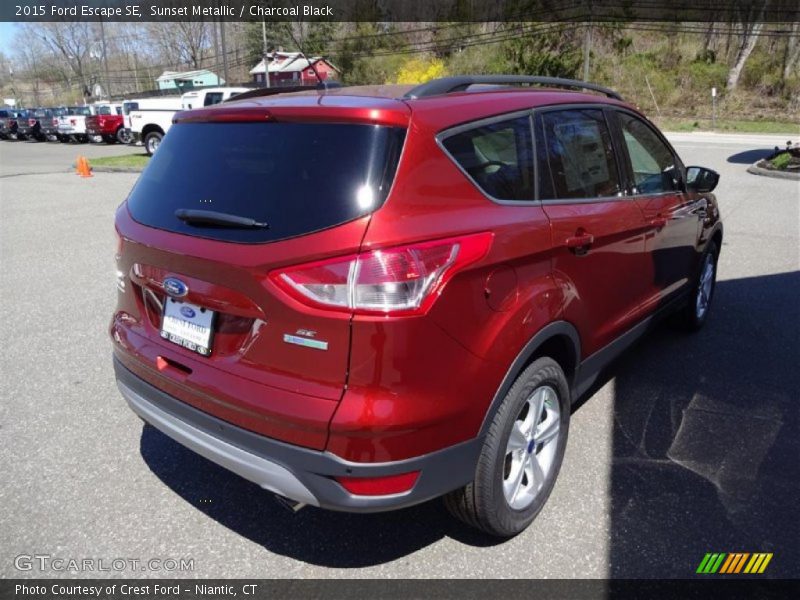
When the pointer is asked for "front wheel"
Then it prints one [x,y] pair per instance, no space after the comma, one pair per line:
[695,314]
[152,141]
[521,455]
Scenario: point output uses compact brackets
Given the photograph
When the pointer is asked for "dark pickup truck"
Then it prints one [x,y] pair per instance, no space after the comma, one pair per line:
[49,125]
[31,128]
[8,123]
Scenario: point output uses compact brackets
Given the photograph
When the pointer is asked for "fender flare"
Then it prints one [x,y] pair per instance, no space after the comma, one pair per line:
[556,328]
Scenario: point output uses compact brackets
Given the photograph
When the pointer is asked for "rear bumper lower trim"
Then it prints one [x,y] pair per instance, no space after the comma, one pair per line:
[266,474]
[298,473]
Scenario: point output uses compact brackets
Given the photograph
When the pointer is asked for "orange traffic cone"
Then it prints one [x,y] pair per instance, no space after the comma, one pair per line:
[83,169]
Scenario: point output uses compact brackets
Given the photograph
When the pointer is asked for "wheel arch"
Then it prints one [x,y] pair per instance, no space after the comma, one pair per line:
[151,128]
[560,341]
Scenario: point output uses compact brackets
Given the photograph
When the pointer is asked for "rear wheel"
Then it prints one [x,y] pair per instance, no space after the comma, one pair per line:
[152,141]
[123,135]
[521,456]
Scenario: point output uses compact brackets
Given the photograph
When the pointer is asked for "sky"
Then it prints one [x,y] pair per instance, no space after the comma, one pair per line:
[7,30]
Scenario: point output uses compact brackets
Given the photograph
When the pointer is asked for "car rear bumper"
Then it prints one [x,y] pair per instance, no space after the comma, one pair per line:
[297,473]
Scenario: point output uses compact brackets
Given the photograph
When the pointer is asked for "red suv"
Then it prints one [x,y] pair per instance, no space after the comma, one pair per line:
[366,298]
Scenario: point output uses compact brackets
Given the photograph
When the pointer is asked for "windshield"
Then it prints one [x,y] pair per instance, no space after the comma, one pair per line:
[297,177]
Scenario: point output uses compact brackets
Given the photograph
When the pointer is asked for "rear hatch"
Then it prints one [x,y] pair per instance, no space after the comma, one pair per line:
[220,207]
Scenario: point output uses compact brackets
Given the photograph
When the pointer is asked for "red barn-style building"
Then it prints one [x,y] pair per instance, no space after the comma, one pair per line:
[291,68]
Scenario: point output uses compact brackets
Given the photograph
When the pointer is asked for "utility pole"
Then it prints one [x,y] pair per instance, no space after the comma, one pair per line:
[224,51]
[105,59]
[265,52]
[216,48]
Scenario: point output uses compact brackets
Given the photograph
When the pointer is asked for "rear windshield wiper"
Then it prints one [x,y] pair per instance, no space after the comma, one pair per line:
[218,219]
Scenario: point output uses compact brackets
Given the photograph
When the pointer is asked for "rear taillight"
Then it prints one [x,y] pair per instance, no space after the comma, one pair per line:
[403,280]
[31,122]
[73,121]
[55,122]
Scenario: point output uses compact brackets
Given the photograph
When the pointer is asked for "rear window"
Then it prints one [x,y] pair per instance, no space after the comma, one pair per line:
[580,155]
[297,177]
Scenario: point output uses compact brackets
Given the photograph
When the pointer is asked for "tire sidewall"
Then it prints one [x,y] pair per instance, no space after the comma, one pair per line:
[504,519]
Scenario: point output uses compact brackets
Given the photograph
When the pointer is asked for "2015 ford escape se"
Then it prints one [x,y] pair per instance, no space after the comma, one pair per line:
[368,298]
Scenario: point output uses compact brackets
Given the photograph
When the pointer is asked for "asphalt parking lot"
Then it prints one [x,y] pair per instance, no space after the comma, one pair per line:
[691,444]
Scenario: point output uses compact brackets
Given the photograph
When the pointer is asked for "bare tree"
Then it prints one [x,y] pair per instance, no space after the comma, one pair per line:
[752,23]
[182,43]
[791,57]
[70,45]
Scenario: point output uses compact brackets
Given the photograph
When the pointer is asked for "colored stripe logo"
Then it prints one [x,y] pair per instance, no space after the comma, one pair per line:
[733,563]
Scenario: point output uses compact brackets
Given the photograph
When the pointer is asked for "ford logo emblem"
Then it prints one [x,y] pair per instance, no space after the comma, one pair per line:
[187,312]
[175,287]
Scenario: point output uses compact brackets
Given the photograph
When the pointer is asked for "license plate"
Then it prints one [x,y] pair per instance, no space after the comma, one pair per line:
[188,325]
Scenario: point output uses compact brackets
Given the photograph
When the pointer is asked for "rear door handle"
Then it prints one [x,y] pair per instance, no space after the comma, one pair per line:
[580,242]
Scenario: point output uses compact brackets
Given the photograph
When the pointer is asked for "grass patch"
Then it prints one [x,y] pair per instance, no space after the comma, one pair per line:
[729,125]
[130,161]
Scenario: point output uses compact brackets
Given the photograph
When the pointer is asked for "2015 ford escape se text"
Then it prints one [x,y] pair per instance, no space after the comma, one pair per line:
[365,298]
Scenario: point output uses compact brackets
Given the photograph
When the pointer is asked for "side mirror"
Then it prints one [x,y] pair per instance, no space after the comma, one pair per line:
[701,180]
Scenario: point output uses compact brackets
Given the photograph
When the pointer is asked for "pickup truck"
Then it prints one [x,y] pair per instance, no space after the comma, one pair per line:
[8,123]
[31,128]
[107,125]
[149,119]
[49,125]
[72,125]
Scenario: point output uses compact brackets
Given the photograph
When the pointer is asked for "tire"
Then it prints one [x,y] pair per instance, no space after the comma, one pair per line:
[496,501]
[695,314]
[152,141]
[123,136]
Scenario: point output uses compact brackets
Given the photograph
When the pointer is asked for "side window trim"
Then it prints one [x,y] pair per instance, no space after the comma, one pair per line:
[464,127]
[618,135]
[537,113]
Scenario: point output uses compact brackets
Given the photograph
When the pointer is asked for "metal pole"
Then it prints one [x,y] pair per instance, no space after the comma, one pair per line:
[713,109]
[105,59]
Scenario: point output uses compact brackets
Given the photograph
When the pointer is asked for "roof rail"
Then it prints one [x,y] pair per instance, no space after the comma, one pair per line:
[448,85]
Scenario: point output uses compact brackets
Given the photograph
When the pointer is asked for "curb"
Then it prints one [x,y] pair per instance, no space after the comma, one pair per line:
[756,170]
[104,169]
[109,169]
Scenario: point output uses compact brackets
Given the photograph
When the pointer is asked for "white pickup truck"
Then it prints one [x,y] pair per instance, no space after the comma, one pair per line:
[71,126]
[149,119]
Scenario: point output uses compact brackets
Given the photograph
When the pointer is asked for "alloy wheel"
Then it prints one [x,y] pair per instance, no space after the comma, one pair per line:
[531,447]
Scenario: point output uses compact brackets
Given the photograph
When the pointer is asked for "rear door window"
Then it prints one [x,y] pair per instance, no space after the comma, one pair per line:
[497,157]
[296,177]
[580,156]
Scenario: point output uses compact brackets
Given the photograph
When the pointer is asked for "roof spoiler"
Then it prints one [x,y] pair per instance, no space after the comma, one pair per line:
[449,85]
[283,89]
